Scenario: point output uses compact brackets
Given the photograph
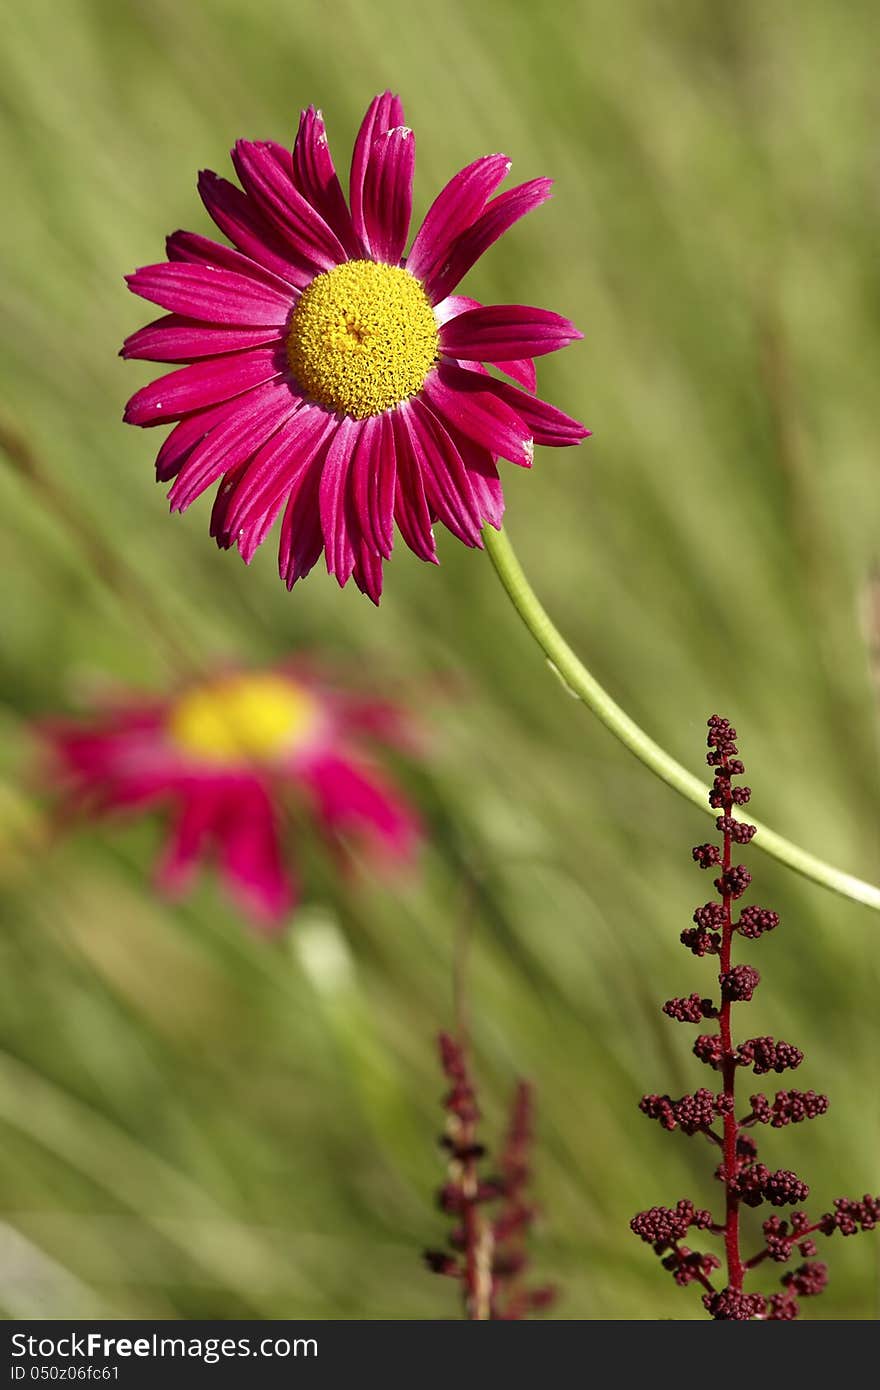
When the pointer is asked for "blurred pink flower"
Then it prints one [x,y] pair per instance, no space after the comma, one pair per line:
[228,760]
[332,376]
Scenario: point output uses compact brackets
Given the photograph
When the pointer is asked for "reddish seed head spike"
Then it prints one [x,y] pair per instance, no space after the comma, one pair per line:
[747,1182]
[492,1214]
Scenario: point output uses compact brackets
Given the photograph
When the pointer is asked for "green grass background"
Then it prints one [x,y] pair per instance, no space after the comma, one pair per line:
[195,1123]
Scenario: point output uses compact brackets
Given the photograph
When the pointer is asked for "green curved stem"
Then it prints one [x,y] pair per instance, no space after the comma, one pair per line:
[579,681]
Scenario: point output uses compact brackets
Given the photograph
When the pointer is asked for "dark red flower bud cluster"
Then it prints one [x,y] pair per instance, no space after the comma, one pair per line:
[707,856]
[734,881]
[754,921]
[663,1226]
[781,1308]
[461,1100]
[739,831]
[705,938]
[702,943]
[730,1305]
[690,1010]
[788,1108]
[739,983]
[710,1049]
[781,1237]
[746,1181]
[490,1256]
[690,1114]
[766,1054]
[808,1279]
[849,1217]
[761,1054]
[755,1184]
[710,917]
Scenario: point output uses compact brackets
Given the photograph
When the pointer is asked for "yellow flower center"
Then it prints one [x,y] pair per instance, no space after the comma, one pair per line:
[362,338]
[243,719]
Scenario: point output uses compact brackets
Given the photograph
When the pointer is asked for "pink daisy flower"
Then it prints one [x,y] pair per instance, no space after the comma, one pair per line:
[331,376]
[229,760]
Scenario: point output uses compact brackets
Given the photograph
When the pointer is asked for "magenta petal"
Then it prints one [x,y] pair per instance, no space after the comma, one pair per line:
[453,210]
[113,763]
[177,339]
[382,489]
[223,499]
[281,154]
[464,399]
[202,384]
[247,538]
[447,487]
[383,114]
[209,293]
[484,480]
[303,229]
[367,571]
[201,250]
[504,332]
[239,218]
[230,443]
[188,840]
[302,539]
[388,184]
[315,176]
[522,370]
[251,537]
[453,305]
[549,425]
[411,511]
[186,435]
[250,856]
[372,484]
[470,245]
[333,498]
[274,467]
[350,797]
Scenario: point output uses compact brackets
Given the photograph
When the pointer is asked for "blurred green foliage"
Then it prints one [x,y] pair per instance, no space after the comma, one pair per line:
[196,1123]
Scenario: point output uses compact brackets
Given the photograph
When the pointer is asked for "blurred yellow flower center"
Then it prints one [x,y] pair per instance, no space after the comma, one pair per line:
[362,338]
[243,718]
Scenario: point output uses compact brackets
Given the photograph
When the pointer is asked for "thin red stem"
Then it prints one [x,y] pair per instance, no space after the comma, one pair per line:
[735,1269]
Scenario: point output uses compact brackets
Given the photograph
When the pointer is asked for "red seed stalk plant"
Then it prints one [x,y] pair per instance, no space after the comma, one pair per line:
[746,1181]
[492,1213]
